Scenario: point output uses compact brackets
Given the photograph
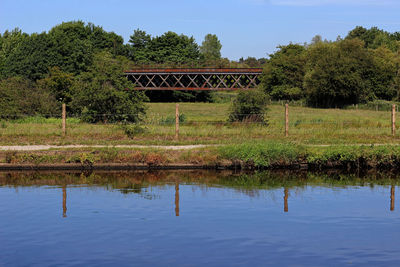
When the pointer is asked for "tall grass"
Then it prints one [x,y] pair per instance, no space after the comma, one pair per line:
[206,123]
[264,154]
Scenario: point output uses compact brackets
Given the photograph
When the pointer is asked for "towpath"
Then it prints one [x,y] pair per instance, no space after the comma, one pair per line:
[176,147]
[48,147]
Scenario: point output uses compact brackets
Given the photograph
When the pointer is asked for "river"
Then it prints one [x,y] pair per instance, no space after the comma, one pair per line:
[197,218]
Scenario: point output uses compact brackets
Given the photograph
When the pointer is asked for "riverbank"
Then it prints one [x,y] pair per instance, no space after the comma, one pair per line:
[247,156]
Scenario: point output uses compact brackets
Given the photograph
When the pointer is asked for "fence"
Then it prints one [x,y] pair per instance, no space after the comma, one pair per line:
[288,120]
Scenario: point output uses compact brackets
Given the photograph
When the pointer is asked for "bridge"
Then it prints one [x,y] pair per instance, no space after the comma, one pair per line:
[195,79]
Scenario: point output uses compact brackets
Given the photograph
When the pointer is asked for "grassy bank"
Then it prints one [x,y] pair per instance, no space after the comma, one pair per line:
[206,123]
[248,155]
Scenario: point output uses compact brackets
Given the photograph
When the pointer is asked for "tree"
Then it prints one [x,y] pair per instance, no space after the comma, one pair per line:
[171,48]
[69,46]
[139,50]
[70,49]
[316,39]
[58,83]
[338,74]
[211,48]
[24,55]
[19,96]
[375,37]
[283,73]
[103,94]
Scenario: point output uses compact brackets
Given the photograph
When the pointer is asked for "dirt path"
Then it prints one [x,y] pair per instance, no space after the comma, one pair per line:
[179,147]
[48,147]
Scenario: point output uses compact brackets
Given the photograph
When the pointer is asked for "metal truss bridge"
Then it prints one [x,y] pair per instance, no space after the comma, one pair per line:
[195,79]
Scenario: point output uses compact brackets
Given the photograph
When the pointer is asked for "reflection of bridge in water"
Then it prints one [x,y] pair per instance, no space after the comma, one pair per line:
[215,79]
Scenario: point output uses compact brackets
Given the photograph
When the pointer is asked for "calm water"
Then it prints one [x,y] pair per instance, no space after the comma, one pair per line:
[198,218]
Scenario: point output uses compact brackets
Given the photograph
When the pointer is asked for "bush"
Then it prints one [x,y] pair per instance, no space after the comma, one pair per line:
[249,106]
[103,94]
[131,130]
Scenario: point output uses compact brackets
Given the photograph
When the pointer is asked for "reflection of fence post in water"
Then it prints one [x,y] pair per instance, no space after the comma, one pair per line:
[392,198]
[64,200]
[285,198]
[177,199]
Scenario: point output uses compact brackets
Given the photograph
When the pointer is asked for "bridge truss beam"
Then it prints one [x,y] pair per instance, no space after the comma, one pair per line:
[194,79]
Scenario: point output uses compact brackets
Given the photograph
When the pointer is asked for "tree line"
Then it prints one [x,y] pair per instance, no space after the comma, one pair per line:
[81,64]
[363,66]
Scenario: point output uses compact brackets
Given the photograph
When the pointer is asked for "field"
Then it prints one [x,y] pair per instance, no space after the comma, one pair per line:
[206,123]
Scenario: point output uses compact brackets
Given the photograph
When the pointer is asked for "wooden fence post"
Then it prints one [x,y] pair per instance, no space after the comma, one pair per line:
[393,119]
[287,120]
[177,121]
[64,118]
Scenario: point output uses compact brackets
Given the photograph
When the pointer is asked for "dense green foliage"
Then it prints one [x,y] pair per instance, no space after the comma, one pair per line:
[103,94]
[284,73]
[365,66]
[211,47]
[40,71]
[52,67]
[249,106]
[69,46]
[20,97]
[169,48]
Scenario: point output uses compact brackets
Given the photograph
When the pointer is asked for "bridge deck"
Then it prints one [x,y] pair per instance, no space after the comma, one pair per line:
[194,78]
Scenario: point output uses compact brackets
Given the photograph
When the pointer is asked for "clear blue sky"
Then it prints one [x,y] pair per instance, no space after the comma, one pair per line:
[245,27]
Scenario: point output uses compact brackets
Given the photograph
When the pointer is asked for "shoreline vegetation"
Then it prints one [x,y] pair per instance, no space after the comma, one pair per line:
[252,156]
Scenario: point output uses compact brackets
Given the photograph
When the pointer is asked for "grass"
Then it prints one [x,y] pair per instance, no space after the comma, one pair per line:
[205,123]
[248,155]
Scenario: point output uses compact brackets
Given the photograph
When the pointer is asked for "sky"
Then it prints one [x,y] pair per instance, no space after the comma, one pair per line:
[245,27]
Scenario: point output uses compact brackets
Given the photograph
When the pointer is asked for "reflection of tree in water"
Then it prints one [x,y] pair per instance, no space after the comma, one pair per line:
[257,184]
[139,189]
[260,184]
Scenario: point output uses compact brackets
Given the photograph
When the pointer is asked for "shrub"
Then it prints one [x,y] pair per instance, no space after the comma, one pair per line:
[103,94]
[249,106]
[133,130]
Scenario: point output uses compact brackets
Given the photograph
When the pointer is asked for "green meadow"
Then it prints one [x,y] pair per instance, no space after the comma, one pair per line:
[206,123]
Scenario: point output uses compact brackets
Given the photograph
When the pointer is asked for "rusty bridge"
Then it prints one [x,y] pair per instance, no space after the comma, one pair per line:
[195,79]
